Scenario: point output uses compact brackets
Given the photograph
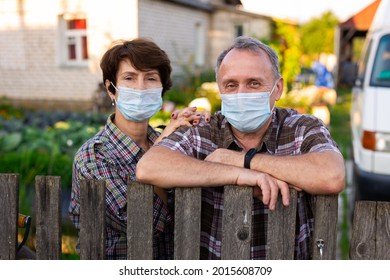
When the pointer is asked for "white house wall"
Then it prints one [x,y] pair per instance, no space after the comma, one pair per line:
[222,29]
[173,28]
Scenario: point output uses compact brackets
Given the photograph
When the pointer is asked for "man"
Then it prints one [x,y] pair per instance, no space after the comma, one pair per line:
[249,143]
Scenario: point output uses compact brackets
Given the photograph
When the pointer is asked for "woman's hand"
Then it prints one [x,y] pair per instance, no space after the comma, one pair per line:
[184,117]
[190,111]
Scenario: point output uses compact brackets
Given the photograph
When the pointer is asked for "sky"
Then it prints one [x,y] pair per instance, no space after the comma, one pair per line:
[303,10]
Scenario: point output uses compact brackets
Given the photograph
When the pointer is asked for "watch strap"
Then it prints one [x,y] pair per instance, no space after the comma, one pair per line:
[248,157]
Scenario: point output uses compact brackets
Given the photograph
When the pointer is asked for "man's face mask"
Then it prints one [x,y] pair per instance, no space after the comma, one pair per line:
[247,112]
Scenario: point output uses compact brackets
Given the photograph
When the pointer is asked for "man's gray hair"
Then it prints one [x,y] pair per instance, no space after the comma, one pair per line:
[252,44]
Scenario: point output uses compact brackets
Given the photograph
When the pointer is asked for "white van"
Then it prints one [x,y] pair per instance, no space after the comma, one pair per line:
[370,112]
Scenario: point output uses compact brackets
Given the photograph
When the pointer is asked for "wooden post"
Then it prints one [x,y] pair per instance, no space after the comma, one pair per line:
[9,208]
[281,229]
[382,231]
[48,217]
[236,223]
[363,231]
[370,231]
[187,223]
[92,220]
[325,227]
[139,221]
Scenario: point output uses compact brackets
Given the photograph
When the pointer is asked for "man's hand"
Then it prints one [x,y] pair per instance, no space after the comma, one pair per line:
[226,156]
[265,187]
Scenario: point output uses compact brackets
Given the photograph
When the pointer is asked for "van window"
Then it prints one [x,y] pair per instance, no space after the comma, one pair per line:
[363,63]
[381,71]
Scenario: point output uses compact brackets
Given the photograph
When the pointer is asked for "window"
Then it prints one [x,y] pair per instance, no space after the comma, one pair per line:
[200,44]
[73,44]
[381,71]
[363,64]
[238,30]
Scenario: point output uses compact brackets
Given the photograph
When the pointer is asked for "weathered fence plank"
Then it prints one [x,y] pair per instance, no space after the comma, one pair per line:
[325,227]
[139,221]
[187,223]
[370,240]
[281,229]
[48,217]
[9,208]
[236,223]
[383,231]
[92,220]
[363,231]
[371,231]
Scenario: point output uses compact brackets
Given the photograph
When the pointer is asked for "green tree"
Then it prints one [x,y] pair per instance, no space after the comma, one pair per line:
[286,42]
[317,35]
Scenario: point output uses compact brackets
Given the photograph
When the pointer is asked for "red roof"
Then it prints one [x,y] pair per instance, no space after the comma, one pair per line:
[362,20]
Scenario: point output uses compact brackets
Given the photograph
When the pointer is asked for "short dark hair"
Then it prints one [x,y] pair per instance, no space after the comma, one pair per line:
[143,54]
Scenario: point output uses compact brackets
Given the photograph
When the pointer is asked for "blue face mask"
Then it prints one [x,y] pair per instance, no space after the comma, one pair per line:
[247,112]
[138,105]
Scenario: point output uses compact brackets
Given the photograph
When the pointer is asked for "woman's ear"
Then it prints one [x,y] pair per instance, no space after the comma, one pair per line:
[107,83]
[110,94]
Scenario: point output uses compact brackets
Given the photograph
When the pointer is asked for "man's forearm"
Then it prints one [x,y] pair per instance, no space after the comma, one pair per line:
[166,168]
[316,173]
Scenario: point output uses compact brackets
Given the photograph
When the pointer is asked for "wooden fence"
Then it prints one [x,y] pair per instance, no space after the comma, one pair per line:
[372,243]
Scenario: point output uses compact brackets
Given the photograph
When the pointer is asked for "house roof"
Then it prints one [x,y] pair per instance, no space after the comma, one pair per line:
[208,6]
[362,20]
[205,6]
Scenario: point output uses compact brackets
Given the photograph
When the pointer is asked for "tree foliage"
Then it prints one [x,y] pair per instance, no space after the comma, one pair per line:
[286,43]
[317,35]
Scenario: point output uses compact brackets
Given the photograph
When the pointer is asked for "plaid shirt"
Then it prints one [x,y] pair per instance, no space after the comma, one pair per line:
[112,156]
[289,133]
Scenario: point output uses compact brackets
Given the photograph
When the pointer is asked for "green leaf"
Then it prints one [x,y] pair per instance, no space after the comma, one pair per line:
[11,141]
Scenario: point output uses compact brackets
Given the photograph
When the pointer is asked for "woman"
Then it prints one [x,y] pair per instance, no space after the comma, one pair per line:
[136,74]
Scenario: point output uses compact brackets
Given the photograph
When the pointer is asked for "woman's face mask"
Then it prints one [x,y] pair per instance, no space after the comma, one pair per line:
[247,112]
[138,105]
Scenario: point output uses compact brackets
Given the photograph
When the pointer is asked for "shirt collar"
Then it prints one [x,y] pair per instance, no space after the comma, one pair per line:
[270,137]
[125,143]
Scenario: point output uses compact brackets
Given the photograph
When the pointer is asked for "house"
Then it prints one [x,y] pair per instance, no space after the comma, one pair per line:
[348,34]
[50,50]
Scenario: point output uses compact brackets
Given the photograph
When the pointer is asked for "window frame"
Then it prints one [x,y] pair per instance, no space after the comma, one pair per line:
[377,67]
[80,37]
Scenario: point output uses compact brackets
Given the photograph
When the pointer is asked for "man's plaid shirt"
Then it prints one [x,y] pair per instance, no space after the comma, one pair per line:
[289,133]
[112,156]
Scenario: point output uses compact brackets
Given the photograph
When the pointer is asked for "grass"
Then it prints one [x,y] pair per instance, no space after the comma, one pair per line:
[341,132]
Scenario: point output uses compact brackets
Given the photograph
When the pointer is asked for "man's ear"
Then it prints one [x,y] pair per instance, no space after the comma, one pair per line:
[279,88]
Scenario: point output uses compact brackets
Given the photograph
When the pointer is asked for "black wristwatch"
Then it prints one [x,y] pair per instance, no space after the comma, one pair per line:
[248,157]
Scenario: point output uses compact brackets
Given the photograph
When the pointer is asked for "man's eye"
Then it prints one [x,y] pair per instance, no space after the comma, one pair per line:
[230,86]
[254,84]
